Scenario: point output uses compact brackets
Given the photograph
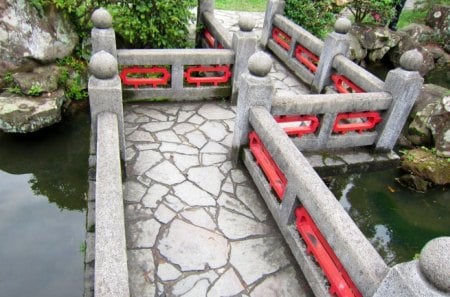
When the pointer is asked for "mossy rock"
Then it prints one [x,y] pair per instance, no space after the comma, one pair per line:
[424,163]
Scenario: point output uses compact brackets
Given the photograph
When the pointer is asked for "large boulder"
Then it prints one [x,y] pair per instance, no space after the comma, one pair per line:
[439,20]
[29,114]
[46,77]
[28,36]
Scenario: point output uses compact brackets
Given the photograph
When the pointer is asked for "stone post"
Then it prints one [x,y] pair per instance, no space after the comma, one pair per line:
[336,43]
[404,84]
[203,6]
[255,89]
[244,45]
[429,276]
[103,35]
[105,93]
[273,7]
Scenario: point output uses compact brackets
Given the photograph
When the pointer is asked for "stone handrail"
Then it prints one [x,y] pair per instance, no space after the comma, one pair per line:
[176,60]
[357,255]
[111,270]
[215,27]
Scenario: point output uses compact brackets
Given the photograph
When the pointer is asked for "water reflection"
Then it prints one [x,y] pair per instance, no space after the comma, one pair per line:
[40,241]
[398,222]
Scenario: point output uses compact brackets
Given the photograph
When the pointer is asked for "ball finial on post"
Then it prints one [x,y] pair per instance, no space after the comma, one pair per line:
[102,19]
[103,65]
[342,25]
[434,262]
[246,23]
[260,64]
[411,60]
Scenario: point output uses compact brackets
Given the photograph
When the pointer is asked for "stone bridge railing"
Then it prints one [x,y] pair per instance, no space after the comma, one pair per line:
[334,255]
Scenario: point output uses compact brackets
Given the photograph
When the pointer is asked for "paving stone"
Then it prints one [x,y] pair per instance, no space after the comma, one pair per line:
[211,159]
[130,128]
[215,112]
[253,201]
[254,258]
[208,178]
[199,217]
[140,136]
[130,117]
[183,162]
[238,176]
[141,271]
[134,212]
[169,109]
[226,167]
[144,180]
[193,195]
[142,234]
[130,153]
[236,226]
[193,248]
[196,119]
[227,285]
[283,283]
[214,148]
[168,272]
[183,128]
[144,161]
[174,203]
[196,138]
[184,115]
[178,148]
[200,289]
[186,284]
[164,214]
[230,125]
[157,115]
[189,106]
[228,140]
[134,191]
[141,120]
[157,126]
[154,195]
[228,186]
[166,173]
[167,136]
[147,146]
[214,130]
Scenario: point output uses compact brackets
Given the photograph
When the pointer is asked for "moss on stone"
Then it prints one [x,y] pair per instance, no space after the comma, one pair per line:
[425,163]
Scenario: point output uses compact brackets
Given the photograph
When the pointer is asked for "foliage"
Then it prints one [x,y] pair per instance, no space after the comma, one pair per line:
[72,78]
[411,16]
[14,90]
[35,90]
[249,5]
[8,78]
[315,16]
[381,10]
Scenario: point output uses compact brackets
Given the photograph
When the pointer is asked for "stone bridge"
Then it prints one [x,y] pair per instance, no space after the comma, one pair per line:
[172,210]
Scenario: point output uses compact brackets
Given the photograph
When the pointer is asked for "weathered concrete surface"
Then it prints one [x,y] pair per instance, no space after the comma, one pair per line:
[29,114]
[196,226]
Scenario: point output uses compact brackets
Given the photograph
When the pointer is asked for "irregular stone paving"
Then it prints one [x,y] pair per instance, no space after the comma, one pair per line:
[196,226]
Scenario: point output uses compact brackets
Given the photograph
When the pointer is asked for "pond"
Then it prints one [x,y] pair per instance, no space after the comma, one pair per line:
[398,222]
[43,185]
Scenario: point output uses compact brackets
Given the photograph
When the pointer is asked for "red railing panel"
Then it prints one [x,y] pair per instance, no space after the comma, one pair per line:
[343,123]
[341,284]
[211,40]
[276,178]
[345,85]
[310,124]
[163,79]
[307,58]
[223,73]
[281,38]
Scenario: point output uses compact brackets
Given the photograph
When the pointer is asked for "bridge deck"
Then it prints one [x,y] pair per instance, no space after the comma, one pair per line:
[195,224]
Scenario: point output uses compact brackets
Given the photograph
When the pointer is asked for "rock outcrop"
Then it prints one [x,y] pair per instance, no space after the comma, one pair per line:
[29,114]
[29,37]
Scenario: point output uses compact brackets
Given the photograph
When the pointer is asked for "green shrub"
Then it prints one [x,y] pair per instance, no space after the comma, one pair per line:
[381,11]
[35,90]
[315,16]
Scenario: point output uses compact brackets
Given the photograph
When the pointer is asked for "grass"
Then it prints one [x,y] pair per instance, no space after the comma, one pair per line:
[239,5]
[411,16]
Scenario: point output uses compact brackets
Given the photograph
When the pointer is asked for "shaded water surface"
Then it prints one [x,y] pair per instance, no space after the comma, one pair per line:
[43,184]
[397,221]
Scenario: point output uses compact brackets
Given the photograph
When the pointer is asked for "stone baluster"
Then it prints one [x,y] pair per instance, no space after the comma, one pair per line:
[336,43]
[404,84]
[273,8]
[429,276]
[103,35]
[255,89]
[105,93]
[244,45]
[203,6]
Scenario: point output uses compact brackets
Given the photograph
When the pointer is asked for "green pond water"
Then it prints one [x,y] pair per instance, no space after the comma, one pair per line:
[43,184]
[398,222]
